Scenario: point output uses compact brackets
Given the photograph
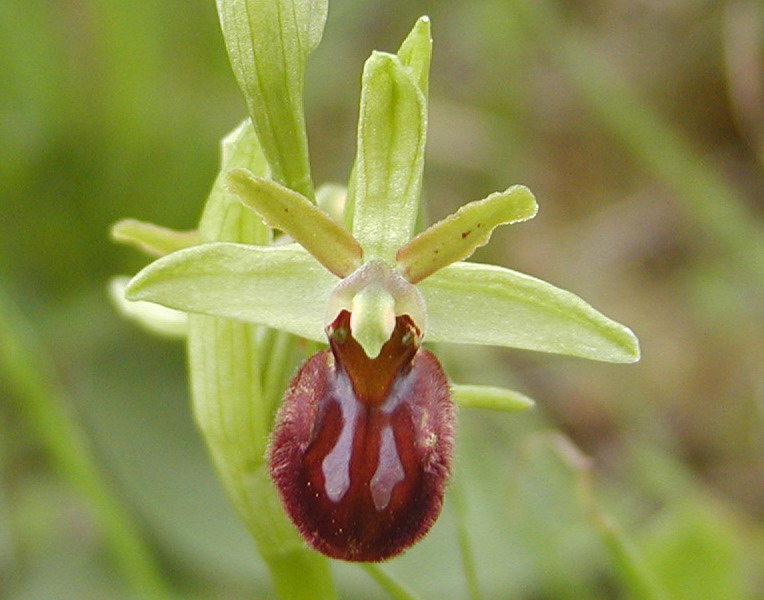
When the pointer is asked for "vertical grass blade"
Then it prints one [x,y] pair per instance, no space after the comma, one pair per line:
[43,404]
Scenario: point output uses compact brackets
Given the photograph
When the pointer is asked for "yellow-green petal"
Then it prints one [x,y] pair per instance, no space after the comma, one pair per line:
[457,236]
[291,212]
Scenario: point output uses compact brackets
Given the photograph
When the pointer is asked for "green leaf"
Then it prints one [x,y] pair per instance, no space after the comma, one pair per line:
[457,236]
[387,174]
[416,52]
[284,209]
[491,398]
[279,286]
[484,304]
[268,42]
[154,240]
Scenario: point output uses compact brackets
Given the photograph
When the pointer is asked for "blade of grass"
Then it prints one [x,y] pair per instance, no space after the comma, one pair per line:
[43,403]
[8,554]
[632,571]
[395,589]
[459,499]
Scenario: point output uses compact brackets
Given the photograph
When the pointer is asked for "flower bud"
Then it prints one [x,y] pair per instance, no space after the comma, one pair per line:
[362,447]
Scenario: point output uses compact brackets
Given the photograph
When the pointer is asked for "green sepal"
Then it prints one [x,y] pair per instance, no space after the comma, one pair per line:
[387,173]
[282,287]
[457,236]
[491,398]
[472,303]
[152,239]
[291,212]
[268,42]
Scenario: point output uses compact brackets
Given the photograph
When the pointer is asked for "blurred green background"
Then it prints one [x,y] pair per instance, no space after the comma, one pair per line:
[639,125]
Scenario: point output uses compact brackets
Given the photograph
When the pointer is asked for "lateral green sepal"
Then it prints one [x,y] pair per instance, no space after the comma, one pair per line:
[282,287]
[472,303]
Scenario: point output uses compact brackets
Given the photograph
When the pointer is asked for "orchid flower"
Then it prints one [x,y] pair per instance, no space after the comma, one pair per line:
[361,448]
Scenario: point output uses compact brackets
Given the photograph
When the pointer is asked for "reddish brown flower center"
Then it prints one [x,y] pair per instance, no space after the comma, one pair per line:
[372,378]
[362,447]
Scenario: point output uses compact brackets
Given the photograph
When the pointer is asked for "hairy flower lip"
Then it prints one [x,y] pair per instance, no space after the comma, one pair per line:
[363,481]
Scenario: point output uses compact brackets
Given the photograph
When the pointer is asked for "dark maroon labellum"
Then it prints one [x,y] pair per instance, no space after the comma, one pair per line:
[361,450]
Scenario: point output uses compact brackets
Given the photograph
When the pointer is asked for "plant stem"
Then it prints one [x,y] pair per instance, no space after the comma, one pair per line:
[229,406]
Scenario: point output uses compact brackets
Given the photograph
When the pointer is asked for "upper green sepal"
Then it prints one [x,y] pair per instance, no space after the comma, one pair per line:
[387,174]
[416,53]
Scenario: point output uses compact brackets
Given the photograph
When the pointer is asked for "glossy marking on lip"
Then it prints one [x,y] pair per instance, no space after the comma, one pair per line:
[336,464]
[362,447]
[389,471]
